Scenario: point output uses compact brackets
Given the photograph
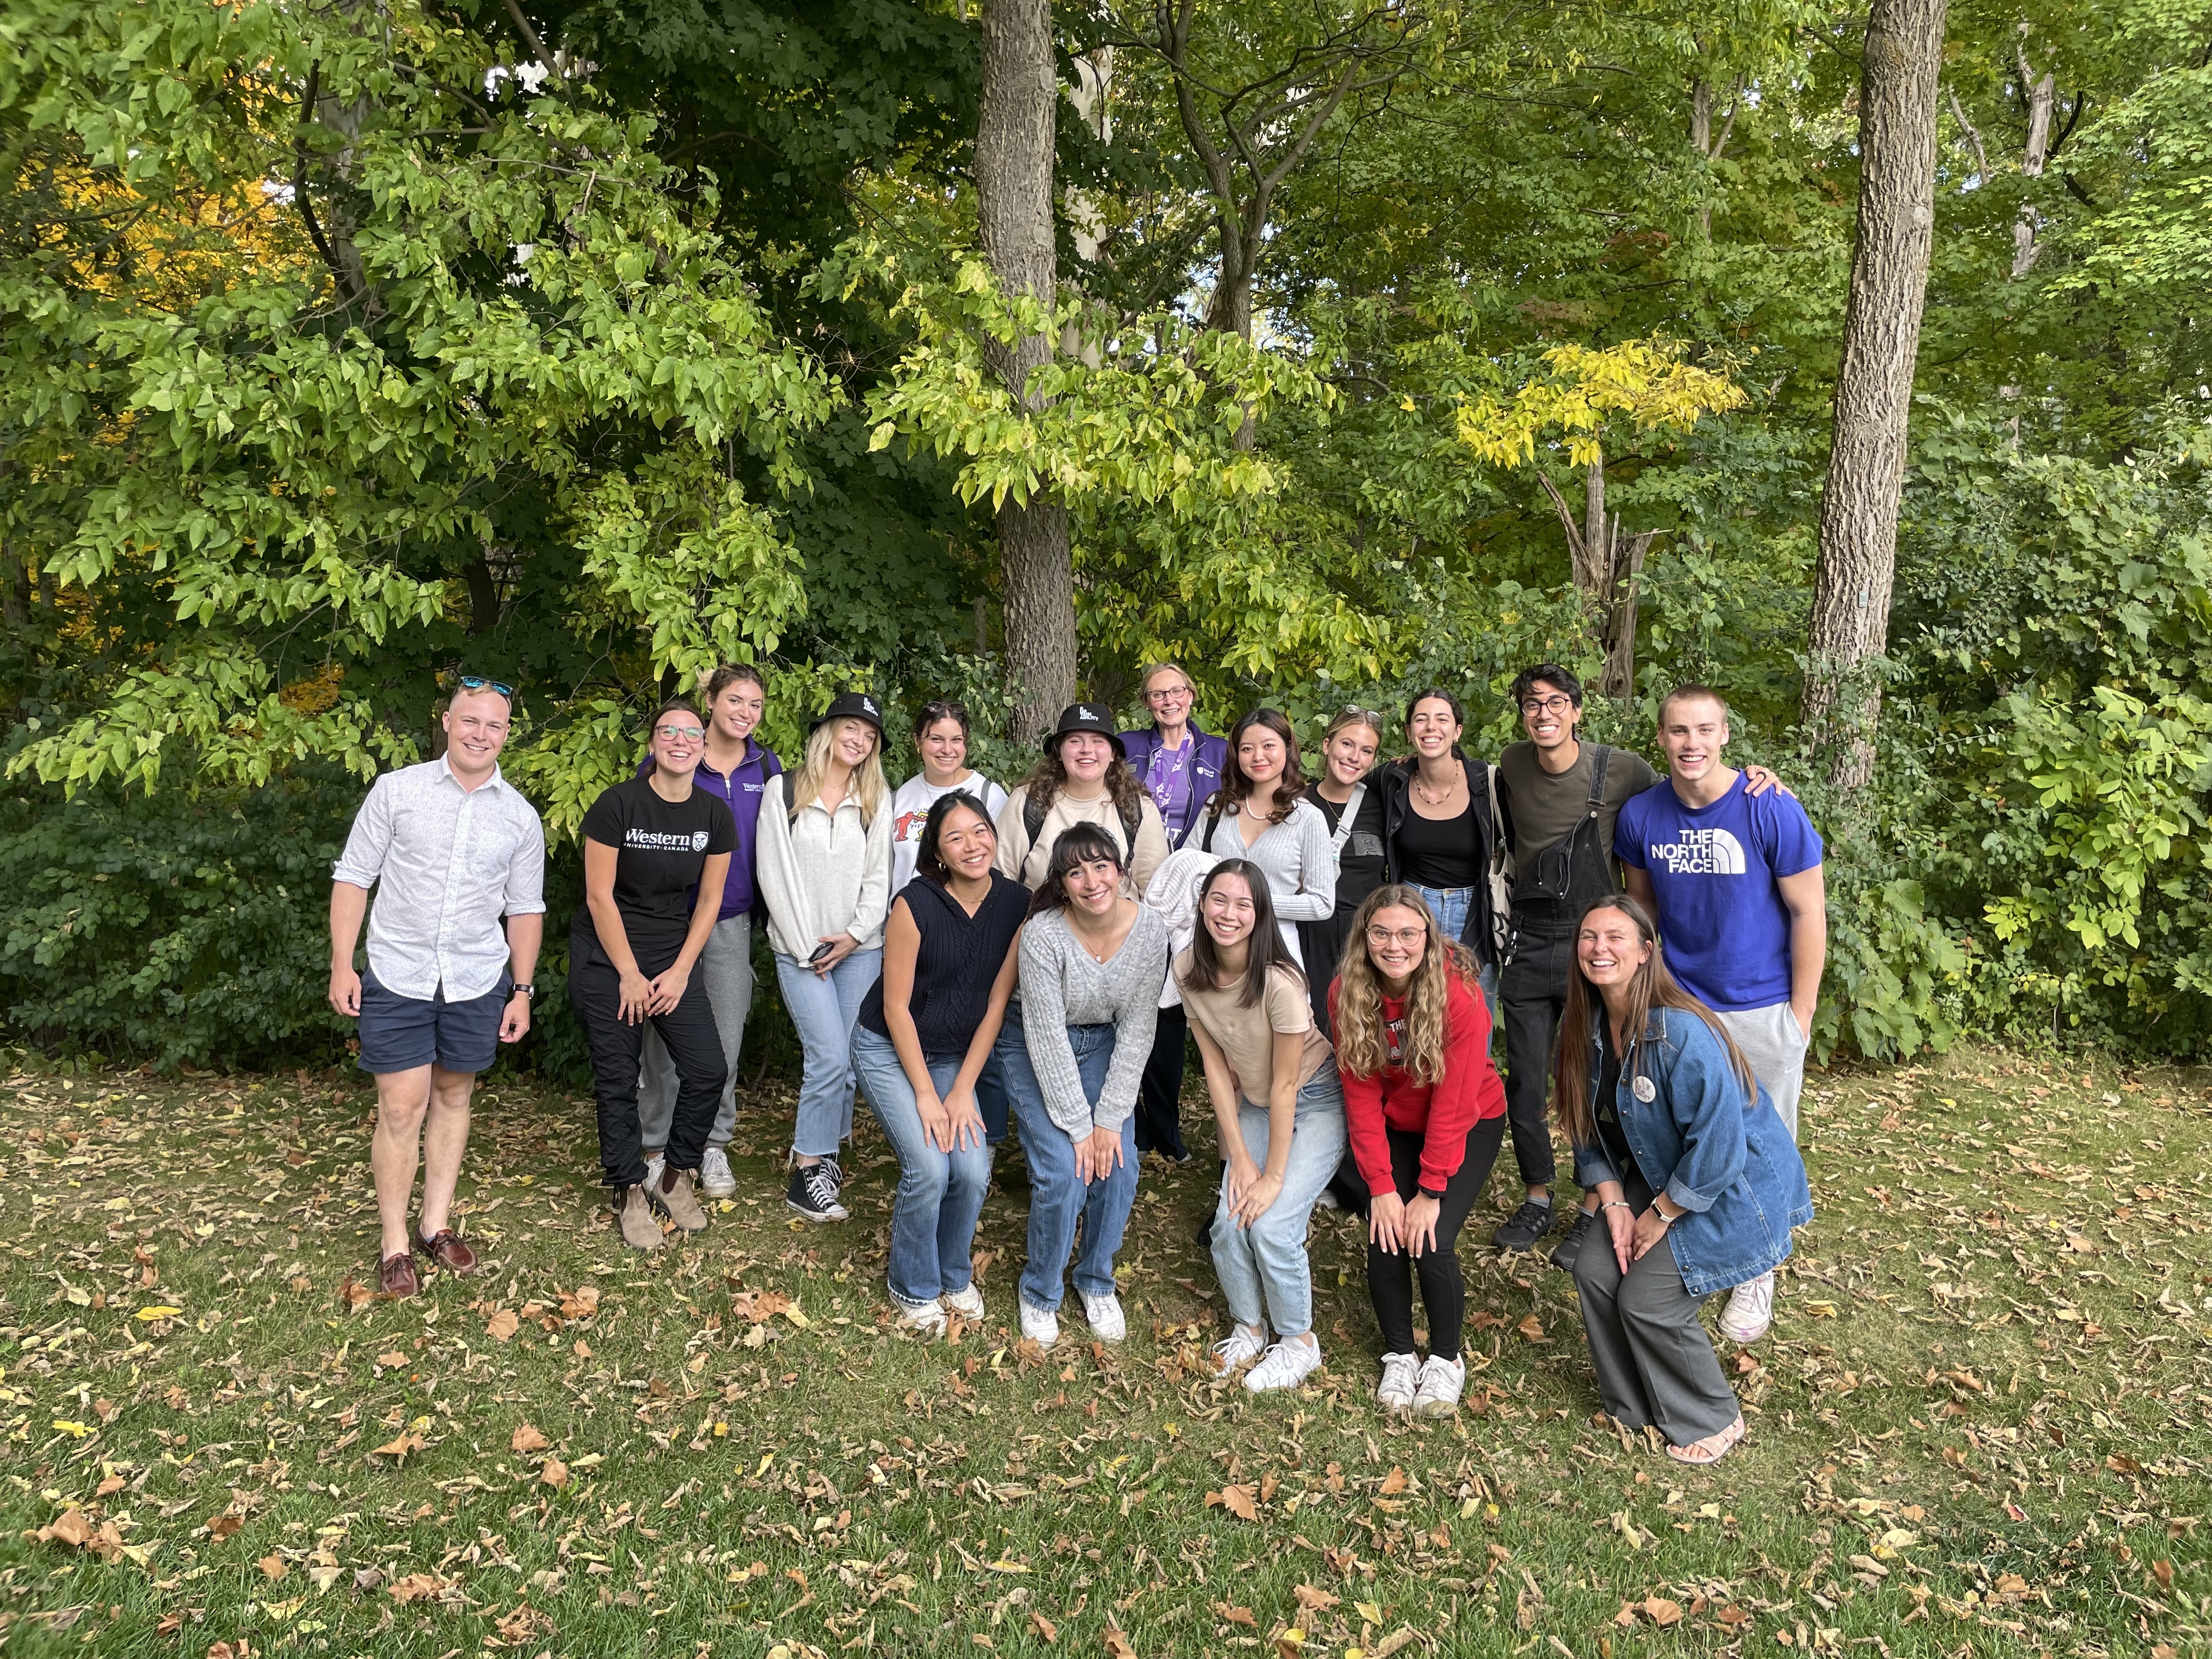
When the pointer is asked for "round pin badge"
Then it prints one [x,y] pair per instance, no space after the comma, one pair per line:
[1645,1088]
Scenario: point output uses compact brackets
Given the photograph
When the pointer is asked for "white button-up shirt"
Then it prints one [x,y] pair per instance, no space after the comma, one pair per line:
[447,863]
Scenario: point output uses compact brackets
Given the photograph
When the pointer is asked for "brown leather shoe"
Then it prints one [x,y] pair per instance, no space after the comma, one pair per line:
[396,1275]
[448,1249]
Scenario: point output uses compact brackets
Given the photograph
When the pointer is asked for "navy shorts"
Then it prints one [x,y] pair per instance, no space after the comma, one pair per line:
[398,1034]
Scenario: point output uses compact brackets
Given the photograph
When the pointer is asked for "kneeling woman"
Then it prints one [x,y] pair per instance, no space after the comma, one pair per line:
[1073,1047]
[1698,1181]
[1426,1113]
[1280,1111]
[924,1035]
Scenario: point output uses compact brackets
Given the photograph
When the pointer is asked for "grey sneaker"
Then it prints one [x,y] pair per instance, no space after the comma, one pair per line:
[1578,1232]
[673,1192]
[639,1230]
[1526,1224]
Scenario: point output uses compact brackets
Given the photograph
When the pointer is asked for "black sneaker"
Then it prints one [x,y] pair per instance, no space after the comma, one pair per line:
[1585,1224]
[1526,1225]
[813,1192]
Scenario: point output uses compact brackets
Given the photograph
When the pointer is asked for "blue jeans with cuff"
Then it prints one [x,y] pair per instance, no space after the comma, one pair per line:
[940,1194]
[1266,1262]
[823,1007]
[1060,1204]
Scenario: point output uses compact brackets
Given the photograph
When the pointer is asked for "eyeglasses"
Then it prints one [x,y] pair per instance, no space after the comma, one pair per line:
[477,683]
[678,733]
[1552,705]
[1168,694]
[1379,937]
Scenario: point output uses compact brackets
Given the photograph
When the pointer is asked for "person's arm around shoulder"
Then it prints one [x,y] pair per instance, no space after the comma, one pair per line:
[368,843]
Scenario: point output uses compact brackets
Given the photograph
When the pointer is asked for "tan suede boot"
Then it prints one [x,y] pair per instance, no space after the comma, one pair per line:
[639,1228]
[676,1192]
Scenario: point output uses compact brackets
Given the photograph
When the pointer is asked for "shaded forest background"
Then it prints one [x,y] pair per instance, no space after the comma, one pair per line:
[346,347]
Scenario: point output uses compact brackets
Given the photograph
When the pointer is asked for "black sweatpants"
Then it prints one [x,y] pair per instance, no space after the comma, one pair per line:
[1532,995]
[1444,1287]
[1160,1095]
[695,1047]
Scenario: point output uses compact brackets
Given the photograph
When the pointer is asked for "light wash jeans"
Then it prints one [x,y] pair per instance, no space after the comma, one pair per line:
[1268,1258]
[823,1007]
[724,970]
[1058,1203]
[1449,905]
[940,1194]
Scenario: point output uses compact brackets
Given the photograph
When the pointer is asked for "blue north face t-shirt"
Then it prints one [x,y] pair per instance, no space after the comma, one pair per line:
[1714,869]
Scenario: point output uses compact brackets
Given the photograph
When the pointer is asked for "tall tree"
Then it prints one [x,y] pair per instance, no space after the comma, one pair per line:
[1849,627]
[1014,138]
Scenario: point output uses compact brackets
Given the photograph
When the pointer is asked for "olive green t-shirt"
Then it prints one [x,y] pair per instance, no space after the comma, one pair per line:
[1543,805]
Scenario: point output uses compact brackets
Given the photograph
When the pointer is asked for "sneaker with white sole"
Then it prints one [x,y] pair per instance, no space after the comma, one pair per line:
[1243,1345]
[1104,1313]
[968,1303]
[1329,1200]
[1039,1325]
[715,1177]
[813,1192]
[1750,1309]
[1437,1393]
[655,1164]
[1402,1377]
[1285,1365]
[920,1318]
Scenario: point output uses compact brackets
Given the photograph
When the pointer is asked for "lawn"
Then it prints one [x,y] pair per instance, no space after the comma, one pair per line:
[1982,1422]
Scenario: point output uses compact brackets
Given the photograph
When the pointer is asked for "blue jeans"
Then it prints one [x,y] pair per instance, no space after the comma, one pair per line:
[940,1194]
[1268,1258]
[1450,905]
[1058,1203]
[823,1007]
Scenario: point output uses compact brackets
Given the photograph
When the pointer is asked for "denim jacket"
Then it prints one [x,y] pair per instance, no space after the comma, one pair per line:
[1729,1162]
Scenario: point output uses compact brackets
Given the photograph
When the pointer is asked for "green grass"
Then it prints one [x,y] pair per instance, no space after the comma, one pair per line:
[1982,1421]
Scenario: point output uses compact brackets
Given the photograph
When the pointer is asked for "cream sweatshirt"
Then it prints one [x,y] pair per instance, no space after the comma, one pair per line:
[824,874]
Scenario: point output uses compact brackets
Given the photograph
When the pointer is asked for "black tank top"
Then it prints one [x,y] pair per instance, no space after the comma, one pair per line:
[1440,852]
[955,964]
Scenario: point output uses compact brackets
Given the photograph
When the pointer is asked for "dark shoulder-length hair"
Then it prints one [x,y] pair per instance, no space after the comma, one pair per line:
[1079,843]
[929,858]
[1049,777]
[1266,952]
[1237,788]
[1654,986]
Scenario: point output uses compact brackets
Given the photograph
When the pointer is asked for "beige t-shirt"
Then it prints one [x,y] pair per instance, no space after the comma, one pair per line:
[1247,1035]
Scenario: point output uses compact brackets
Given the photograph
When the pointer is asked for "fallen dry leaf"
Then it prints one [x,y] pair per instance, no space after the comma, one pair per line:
[273,1567]
[113,1484]
[398,1447]
[418,1587]
[554,1472]
[1236,1615]
[1312,1599]
[1239,1500]
[1117,1643]
[1533,1329]
[223,1525]
[1044,1627]
[1662,1612]
[1394,1481]
[527,1438]
[502,1324]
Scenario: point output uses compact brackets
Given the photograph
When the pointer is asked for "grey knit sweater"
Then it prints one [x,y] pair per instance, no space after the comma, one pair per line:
[1062,986]
[1298,858]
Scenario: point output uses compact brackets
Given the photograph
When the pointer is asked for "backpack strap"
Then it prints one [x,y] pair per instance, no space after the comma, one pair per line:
[1132,819]
[1347,818]
[1600,754]
[1033,811]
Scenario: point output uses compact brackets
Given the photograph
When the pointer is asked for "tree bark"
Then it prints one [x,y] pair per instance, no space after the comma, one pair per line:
[1849,627]
[1013,188]
[2040,94]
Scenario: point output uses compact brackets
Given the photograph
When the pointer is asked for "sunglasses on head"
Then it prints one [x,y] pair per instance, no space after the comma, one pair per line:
[477,683]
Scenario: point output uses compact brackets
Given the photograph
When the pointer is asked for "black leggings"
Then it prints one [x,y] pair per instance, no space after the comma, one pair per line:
[694,1045]
[1444,1287]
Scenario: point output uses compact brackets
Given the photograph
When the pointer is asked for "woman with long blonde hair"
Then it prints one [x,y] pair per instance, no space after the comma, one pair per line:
[1698,1182]
[825,866]
[1426,1113]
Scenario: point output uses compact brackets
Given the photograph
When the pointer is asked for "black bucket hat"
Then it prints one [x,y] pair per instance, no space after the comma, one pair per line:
[1085,717]
[852,706]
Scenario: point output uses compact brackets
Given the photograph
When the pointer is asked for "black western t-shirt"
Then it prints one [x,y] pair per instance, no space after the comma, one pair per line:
[660,848]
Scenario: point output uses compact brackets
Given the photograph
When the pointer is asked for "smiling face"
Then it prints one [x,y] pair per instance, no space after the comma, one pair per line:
[1431,728]
[1084,756]
[679,742]
[1548,715]
[738,710]
[1168,695]
[1610,948]
[944,749]
[967,843]
[1692,731]
[1093,886]
[1260,754]
[1228,911]
[1350,753]
[1397,942]
[855,743]
[476,725]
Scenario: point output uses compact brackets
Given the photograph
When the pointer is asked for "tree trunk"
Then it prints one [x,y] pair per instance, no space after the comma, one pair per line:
[1618,679]
[1014,189]
[1849,629]
[2040,94]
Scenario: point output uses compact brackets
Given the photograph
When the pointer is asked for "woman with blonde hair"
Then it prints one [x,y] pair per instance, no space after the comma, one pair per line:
[1350,802]
[1426,1113]
[825,865]
[1699,1182]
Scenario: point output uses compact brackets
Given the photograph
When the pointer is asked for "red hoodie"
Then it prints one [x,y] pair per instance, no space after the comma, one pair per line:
[1442,1114]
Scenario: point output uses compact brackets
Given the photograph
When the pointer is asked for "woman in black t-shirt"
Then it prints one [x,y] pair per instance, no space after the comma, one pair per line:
[1351,799]
[656,851]
[923,1037]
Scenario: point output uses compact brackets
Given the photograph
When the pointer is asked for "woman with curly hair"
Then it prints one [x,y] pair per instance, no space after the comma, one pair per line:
[1426,1113]
[1080,779]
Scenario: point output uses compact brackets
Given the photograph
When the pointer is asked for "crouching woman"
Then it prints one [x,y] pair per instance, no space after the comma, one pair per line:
[1698,1183]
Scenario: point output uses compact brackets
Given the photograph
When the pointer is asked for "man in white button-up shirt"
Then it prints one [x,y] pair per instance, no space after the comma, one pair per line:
[451,849]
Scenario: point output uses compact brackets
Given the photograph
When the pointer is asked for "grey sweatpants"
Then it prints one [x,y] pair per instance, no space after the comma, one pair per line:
[724,971]
[1655,1364]
[1775,1046]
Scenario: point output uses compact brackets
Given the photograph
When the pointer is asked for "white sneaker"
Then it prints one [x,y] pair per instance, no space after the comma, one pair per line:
[1040,1325]
[1401,1374]
[654,1166]
[716,1179]
[1437,1393]
[923,1319]
[1285,1365]
[968,1303]
[1327,1201]
[1104,1313]
[1244,1344]
[1750,1309]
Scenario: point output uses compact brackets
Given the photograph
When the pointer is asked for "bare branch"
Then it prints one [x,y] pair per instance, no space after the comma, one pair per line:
[1973,137]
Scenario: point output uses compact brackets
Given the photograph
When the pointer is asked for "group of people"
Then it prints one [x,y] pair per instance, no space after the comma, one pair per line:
[977,962]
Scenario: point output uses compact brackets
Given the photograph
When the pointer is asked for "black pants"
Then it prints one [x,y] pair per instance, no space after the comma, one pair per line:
[1531,996]
[1444,1287]
[695,1047]
[1159,1096]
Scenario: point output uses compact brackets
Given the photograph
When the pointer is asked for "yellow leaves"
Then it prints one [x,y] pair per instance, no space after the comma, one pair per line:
[1644,380]
[152,1314]
[75,1431]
